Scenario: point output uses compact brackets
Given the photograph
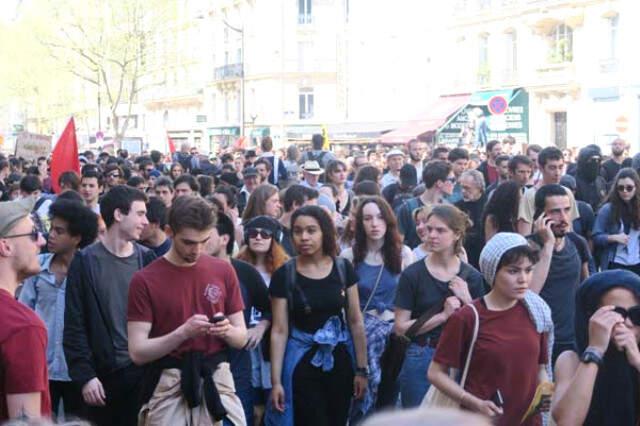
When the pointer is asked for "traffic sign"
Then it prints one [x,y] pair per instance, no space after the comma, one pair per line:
[497,105]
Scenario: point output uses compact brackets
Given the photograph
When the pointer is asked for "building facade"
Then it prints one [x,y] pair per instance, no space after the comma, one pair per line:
[574,58]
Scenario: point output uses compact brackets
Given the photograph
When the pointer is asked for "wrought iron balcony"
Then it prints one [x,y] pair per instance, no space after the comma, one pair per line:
[229,72]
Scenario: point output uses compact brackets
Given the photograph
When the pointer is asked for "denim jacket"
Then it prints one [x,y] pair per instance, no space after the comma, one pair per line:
[327,338]
[604,226]
[41,294]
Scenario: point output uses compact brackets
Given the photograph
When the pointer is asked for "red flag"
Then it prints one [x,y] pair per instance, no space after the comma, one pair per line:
[65,155]
[172,146]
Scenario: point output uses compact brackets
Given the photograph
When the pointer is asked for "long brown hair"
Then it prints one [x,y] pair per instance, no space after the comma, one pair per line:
[258,201]
[392,248]
[628,212]
[273,259]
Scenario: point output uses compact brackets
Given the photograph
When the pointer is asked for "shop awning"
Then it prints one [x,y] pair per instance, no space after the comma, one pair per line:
[425,127]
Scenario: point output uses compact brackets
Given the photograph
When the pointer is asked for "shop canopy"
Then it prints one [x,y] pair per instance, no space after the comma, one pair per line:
[426,127]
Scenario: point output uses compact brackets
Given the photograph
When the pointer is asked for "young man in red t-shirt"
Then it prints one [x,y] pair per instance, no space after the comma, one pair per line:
[184,310]
[24,382]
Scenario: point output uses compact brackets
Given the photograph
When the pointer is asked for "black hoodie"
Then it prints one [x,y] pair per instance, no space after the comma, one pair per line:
[590,186]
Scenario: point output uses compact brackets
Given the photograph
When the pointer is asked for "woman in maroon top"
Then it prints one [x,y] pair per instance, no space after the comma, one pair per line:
[509,355]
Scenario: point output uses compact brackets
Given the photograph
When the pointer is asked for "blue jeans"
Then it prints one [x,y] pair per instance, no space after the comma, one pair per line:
[413,380]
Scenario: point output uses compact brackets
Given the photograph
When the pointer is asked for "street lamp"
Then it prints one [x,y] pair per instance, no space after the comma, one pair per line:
[241,31]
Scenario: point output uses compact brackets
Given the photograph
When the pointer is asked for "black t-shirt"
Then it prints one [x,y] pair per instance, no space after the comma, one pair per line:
[418,290]
[326,296]
[561,284]
[255,293]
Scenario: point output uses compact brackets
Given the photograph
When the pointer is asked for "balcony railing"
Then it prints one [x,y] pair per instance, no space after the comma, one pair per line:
[229,72]
[305,18]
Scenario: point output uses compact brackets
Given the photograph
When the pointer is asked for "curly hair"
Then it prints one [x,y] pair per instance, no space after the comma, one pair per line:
[327,227]
[392,248]
[627,212]
[273,259]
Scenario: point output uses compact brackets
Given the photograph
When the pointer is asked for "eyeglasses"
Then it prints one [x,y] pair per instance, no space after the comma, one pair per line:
[34,235]
[265,234]
[451,180]
[148,170]
[632,313]
[625,188]
[113,175]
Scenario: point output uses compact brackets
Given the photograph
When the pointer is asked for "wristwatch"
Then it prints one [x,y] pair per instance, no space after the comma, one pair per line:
[593,355]
[362,371]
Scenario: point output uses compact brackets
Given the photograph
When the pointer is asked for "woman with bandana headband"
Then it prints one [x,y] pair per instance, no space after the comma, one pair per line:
[599,384]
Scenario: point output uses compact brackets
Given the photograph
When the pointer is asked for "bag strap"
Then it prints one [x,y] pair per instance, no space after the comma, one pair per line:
[375,287]
[435,309]
[476,327]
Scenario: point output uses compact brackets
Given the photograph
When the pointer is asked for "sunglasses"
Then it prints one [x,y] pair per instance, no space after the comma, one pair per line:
[451,179]
[264,233]
[625,188]
[113,175]
[632,313]
[34,235]
[148,170]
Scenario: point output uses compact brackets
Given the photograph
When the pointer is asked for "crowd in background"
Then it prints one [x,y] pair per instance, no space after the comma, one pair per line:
[321,287]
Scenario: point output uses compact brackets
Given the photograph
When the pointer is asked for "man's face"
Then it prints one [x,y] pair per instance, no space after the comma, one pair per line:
[552,171]
[447,186]
[148,232]
[113,178]
[470,191]
[250,182]
[442,156]
[133,224]
[417,151]
[395,162]
[617,147]
[183,188]
[558,209]
[263,172]
[311,178]
[189,244]
[164,194]
[60,240]
[459,166]
[503,169]
[217,244]
[496,151]
[23,250]
[521,175]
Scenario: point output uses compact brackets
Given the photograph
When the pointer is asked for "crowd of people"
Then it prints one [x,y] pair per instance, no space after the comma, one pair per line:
[274,287]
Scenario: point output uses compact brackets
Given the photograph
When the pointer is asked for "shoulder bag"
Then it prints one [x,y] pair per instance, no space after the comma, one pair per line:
[435,398]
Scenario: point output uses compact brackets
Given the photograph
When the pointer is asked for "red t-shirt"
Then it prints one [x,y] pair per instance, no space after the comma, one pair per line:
[167,295]
[507,356]
[23,354]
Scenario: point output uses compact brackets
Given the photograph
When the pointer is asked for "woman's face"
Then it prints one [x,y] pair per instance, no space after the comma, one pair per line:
[626,189]
[623,298]
[421,226]
[259,240]
[272,206]
[307,235]
[339,176]
[176,171]
[440,237]
[374,224]
[512,281]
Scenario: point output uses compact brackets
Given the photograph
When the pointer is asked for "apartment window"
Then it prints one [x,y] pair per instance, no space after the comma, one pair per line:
[305,100]
[304,11]
[226,58]
[484,4]
[239,56]
[561,44]
[560,129]
[511,50]
[226,108]
[612,29]
[483,59]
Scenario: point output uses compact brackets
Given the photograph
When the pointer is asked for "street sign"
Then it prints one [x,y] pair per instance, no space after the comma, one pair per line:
[497,105]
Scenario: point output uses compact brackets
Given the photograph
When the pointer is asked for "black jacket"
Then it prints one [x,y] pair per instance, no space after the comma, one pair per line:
[87,341]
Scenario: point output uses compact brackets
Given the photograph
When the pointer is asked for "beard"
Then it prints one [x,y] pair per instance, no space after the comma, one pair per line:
[617,152]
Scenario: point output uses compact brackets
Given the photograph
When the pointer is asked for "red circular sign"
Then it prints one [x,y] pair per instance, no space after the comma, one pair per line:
[497,105]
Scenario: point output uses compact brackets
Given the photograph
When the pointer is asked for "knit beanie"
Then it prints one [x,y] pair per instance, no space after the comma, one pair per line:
[493,251]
